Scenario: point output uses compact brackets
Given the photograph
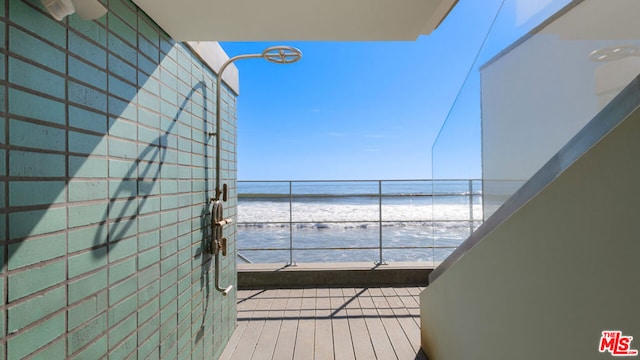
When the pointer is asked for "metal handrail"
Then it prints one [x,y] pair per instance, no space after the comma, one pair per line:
[291,196]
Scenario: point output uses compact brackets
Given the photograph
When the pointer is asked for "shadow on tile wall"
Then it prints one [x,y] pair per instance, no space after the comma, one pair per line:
[105,170]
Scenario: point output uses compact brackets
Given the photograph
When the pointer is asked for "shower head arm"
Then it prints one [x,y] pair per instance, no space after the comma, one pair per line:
[274,54]
[223,67]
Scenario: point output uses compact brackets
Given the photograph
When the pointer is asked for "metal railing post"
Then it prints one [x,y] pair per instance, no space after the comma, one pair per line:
[433,223]
[290,222]
[380,260]
[470,206]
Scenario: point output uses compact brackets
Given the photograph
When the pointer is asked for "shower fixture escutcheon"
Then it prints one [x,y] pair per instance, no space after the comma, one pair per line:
[218,243]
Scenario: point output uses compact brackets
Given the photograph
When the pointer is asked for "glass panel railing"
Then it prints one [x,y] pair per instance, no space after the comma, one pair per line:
[457,211]
[542,90]
[492,127]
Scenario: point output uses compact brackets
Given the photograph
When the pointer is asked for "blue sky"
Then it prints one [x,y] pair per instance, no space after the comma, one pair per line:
[354,110]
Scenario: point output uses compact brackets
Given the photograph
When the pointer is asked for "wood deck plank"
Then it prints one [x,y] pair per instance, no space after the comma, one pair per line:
[362,346]
[229,350]
[323,340]
[342,344]
[415,292]
[289,328]
[400,342]
[267,342]
[381,343]
[246,303]
[409,301]
[305,338]
[407,321]
[412,305]
[402,291]
[323,304]
[251,336]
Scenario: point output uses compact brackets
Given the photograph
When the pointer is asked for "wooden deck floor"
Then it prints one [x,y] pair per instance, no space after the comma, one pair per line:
[335,323]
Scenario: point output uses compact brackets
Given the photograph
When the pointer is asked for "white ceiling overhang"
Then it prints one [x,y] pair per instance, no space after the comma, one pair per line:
[266,20]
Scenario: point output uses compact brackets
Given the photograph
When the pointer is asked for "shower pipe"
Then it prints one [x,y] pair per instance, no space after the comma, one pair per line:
[274,54]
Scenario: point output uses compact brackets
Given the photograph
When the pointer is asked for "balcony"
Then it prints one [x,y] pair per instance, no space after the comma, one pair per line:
[379,241]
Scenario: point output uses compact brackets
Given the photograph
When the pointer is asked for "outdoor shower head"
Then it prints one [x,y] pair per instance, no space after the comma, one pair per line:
[282,54]
[279,54]
[274,54]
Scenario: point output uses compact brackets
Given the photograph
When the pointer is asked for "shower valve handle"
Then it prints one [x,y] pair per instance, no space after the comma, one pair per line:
[224,192]
[223,222]
[220,246]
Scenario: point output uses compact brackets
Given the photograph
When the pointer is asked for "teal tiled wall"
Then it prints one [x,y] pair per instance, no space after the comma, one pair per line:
[105,172]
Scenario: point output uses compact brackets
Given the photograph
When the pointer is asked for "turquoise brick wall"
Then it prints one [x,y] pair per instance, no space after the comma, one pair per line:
[105,172]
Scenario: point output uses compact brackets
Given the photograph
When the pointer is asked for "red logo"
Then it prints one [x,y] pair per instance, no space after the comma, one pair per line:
[617,344]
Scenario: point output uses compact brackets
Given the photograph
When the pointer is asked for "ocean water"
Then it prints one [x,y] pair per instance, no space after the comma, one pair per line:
[282,222]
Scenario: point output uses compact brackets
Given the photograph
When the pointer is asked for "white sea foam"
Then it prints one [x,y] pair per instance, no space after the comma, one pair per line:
[353,222]
[264,212]
[331,225]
